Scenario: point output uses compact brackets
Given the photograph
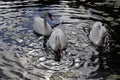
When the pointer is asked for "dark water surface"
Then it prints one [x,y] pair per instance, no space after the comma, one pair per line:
[22,56]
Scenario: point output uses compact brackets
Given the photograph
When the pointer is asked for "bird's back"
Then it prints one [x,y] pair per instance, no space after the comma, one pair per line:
[62,39]
[97,33]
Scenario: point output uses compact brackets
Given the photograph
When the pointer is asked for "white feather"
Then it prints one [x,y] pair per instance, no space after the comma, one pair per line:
[62,39]
[39,26]
[97,33]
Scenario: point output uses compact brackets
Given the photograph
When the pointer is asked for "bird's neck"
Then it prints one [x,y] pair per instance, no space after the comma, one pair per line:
[58,51]
[45,24]
[58,55]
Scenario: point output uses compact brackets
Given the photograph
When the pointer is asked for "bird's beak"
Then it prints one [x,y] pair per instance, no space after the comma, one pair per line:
[50,16]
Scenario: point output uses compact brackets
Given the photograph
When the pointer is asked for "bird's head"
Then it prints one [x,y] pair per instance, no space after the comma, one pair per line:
[49,15]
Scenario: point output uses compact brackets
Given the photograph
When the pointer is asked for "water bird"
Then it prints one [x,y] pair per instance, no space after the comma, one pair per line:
[42,27]
[97,33]
[58,42]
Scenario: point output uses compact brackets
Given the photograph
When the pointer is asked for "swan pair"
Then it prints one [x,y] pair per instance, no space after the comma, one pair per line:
[57,40]
[97,33]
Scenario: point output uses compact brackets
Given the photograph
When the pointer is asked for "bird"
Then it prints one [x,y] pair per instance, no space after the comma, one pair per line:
[58,42]
[97,34]
[42,27]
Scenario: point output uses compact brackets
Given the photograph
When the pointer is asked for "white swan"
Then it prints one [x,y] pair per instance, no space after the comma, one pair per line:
[57,42]
[97,34]
[41,26]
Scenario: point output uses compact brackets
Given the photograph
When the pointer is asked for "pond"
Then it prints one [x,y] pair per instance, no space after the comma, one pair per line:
[23,57]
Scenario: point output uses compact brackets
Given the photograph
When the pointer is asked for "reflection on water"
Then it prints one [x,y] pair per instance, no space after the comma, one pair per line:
[22,55]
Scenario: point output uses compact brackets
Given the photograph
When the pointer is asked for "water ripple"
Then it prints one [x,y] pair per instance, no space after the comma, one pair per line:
[22,53]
